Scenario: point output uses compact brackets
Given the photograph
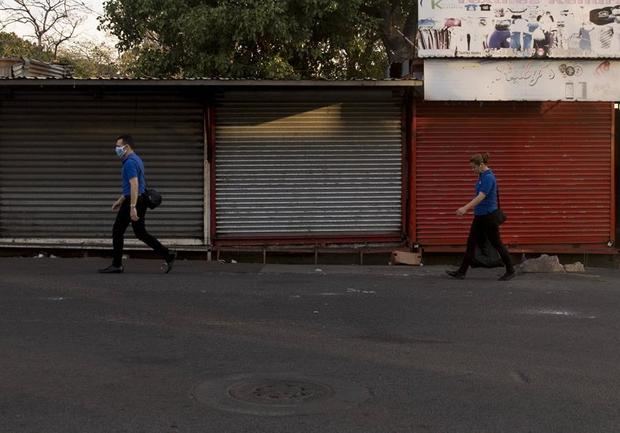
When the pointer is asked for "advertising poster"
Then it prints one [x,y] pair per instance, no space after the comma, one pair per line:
[519,28]
[522,80]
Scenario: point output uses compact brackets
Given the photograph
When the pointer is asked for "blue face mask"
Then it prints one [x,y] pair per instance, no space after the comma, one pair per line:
[120,151]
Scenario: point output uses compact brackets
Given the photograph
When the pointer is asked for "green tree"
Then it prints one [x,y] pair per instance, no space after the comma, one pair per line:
[398,25]
[12,45]
[324,39]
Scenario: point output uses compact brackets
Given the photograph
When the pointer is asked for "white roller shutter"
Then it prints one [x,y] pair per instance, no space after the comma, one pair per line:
[308,163]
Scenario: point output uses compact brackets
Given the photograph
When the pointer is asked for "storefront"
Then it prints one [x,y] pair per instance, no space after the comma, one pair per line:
[554,162]
[554,154]
[307,166]
[238,162]
[59,175]
[256,164]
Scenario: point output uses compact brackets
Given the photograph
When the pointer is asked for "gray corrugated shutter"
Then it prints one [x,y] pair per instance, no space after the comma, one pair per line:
[308,163]
[59,174]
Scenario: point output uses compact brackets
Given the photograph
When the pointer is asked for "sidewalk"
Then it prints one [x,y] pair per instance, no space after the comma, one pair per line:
[191,273]
[82,266]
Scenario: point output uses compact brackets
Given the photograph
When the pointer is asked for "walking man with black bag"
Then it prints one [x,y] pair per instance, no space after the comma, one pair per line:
[131,208]
[487,218]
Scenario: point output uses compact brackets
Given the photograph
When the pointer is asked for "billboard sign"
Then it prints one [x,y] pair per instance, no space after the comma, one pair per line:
[519,28]
[521,80]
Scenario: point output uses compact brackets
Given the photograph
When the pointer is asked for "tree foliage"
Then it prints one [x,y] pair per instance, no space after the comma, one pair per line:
[273,39]
[12,45]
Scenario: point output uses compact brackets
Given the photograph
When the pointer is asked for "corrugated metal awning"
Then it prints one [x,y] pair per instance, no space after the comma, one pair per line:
[201,82]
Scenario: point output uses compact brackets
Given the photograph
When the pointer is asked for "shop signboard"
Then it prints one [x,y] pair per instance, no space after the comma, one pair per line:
[521,80]
[519,28]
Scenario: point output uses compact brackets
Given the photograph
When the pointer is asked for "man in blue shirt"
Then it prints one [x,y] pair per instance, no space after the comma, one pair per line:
[131,208]
[487,184]
[485,223]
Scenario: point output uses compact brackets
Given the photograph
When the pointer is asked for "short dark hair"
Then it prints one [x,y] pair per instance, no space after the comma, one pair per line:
[127,139]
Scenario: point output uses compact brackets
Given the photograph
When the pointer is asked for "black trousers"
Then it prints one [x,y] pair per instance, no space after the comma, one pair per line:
[484,227]
[123,219]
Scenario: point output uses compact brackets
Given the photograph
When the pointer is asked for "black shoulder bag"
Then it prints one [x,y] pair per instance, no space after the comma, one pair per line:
[151,195]
[153,198]
[499,215]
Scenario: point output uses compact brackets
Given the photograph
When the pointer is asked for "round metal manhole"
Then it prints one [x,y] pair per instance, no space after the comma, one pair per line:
[279,394]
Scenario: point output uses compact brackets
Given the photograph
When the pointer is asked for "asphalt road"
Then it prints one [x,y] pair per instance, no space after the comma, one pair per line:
[82,352]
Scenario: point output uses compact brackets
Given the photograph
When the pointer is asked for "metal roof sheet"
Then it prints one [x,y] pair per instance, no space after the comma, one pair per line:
[202,82]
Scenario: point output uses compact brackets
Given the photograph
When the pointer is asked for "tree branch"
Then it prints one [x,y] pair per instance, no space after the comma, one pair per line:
[51,20]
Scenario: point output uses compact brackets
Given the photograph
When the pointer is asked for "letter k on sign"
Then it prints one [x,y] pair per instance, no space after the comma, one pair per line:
[436,4]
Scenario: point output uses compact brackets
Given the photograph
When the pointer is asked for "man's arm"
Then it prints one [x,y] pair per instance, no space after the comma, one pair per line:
[118,203]
[472,204]
[133,182]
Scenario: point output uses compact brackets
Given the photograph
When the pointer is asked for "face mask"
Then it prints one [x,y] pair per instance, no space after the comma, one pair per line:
[120,151]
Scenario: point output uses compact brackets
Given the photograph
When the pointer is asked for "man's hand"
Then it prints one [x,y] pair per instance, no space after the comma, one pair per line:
[461,211]
[117,205]
[133,213]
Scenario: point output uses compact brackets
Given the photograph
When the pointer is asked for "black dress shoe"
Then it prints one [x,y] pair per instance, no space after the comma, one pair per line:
[509,275]
[112,270]
[456,274]
[169,261]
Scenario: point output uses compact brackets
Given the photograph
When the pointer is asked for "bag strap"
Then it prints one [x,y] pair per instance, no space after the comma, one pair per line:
[499,206]
[146,185]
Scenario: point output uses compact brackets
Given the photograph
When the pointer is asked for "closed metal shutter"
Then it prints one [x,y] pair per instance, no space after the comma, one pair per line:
[553,162]
[303,163]
[59,175]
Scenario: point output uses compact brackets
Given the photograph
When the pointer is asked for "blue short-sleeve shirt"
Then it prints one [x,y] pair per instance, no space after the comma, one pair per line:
[133,167]
[488,185]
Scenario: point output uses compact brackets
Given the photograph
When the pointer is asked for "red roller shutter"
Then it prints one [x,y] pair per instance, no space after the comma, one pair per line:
[553,162]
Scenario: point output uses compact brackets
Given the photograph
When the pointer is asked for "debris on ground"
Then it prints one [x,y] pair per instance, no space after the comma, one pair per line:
[405,257]
[544,263]
[576,268]
[223,261]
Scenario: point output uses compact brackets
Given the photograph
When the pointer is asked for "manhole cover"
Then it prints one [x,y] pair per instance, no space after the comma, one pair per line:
[279,394]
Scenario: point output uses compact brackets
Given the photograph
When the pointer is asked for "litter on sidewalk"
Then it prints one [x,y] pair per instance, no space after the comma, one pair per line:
[548,264]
